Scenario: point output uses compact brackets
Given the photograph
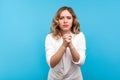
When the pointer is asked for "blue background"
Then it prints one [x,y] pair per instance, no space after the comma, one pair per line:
[24,25]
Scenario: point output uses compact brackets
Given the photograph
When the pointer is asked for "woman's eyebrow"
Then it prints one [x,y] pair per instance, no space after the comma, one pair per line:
[65,16]
[69,16]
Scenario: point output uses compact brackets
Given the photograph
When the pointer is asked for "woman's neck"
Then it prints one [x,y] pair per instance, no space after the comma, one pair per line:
[65,32]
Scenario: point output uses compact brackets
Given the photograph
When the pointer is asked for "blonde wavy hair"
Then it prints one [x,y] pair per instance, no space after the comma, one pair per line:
[55,30]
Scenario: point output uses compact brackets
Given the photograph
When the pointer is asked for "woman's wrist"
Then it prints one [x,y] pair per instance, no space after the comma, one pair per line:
[64,46]
[71,45]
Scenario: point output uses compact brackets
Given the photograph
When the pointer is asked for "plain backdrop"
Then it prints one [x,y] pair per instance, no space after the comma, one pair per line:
[24,25]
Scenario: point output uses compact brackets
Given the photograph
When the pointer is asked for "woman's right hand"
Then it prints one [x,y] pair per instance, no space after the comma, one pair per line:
[66,39]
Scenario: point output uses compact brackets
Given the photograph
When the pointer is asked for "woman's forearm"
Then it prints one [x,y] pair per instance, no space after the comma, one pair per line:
[57,56]
[74,53]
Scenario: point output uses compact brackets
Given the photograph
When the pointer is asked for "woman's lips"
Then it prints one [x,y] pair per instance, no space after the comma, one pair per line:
[65,25]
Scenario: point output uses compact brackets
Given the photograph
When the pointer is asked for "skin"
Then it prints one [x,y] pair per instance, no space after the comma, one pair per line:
[65,23]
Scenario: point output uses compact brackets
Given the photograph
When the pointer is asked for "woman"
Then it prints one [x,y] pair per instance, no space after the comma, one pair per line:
[65,46]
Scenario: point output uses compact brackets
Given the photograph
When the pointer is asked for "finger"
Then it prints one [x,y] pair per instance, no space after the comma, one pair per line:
[67,36]
[67,40]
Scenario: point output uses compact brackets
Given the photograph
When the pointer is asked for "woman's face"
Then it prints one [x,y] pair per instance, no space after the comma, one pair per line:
[65,21]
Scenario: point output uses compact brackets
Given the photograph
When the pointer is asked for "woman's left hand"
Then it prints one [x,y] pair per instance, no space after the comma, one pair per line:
[67,38]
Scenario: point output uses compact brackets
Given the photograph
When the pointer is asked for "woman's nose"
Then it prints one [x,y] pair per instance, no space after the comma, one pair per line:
[65,20]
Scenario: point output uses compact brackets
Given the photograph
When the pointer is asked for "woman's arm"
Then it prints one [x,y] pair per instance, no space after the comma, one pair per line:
[78,50]
[57,56]
[74,53]
[53,57]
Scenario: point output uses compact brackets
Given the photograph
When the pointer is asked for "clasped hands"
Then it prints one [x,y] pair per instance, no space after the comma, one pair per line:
[67,39]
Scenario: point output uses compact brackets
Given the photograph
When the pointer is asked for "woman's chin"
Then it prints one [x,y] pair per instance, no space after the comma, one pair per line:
[66,29]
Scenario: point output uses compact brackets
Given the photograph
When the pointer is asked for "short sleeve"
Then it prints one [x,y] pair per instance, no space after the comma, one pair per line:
[81,48]
[49,48]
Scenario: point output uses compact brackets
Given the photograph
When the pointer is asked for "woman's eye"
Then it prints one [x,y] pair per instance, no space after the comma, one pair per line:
[68,17]
[61,17]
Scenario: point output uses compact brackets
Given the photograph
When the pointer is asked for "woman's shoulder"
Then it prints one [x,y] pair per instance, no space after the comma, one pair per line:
[81,34]
[49,36]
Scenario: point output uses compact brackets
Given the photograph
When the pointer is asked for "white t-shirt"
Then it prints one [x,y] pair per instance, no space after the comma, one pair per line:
[66,69]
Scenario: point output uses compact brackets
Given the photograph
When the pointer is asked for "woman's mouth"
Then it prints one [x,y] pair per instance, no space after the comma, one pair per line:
[65,25]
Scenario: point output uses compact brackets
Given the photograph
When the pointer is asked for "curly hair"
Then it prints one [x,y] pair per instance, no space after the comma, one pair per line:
[55,30]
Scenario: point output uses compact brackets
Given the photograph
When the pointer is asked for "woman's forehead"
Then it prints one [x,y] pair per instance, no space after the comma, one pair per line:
[65,13]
